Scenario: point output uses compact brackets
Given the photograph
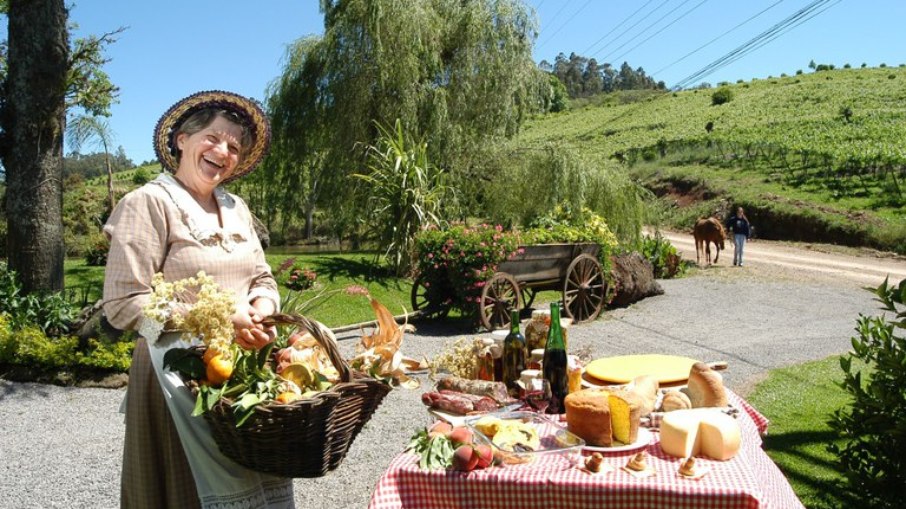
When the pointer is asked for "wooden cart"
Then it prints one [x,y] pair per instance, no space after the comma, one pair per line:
[573,269]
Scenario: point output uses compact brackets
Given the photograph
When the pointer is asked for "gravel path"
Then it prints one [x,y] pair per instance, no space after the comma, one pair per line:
[61,447]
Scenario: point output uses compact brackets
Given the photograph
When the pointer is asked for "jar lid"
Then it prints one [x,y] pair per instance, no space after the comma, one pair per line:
[540,313]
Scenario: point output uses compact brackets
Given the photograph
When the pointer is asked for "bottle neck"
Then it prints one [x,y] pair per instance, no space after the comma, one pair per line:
[514,322]
[555,333]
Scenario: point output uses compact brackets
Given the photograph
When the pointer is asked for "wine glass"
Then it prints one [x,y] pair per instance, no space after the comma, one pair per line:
[538,395]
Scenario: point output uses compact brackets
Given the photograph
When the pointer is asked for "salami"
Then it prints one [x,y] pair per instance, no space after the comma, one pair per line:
[457,402]
[493,390]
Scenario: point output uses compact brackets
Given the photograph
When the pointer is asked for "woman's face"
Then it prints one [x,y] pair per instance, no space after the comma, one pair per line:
[209,155]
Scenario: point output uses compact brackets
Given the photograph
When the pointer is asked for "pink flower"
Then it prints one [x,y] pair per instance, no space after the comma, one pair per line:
[430,255]
[499,228]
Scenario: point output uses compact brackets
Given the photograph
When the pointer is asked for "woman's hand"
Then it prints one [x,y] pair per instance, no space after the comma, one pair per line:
[250,334]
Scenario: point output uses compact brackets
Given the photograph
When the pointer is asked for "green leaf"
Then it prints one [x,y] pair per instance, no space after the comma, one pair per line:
[248,401]
[185,361]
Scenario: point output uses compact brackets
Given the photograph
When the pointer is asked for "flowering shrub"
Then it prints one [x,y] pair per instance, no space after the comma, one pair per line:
[300,279]
[96,255]
[456,262]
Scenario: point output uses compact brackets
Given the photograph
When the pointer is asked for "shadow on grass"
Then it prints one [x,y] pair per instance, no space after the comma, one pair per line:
[356,269]
[828,491]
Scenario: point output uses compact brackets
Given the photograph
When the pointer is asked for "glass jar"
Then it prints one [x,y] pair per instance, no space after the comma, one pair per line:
[536,329]
[486,360]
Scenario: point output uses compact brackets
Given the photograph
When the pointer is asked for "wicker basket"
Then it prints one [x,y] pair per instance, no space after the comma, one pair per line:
[308,437]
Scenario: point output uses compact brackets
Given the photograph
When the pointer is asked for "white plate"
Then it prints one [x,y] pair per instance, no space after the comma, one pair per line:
[642,440]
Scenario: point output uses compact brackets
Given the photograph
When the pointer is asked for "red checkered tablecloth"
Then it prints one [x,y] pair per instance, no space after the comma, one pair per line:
[749,480]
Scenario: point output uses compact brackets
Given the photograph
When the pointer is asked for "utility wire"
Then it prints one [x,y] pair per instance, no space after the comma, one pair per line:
[671,11]
[766,41]
[614,29]
[564,24]
[665,27]
[768,35]
[599,50]
[712,41]
[557,14]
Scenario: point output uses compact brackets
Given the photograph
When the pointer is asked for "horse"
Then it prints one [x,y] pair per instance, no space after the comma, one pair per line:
[707,231]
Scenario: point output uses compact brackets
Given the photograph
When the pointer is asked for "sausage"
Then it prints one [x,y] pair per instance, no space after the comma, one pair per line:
[457,402]
[494,390]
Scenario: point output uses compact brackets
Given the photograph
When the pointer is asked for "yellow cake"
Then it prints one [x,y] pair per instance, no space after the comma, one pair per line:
[588,416]
[625,412]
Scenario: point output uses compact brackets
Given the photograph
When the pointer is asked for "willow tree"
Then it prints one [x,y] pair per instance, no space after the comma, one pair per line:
[457,74]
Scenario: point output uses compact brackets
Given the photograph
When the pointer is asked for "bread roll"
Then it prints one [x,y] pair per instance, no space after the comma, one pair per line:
[705,387]
[647,387]
[588,416]
[675,400]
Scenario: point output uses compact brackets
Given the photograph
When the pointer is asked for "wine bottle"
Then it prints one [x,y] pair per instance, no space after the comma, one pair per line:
[554,363]
[513,355]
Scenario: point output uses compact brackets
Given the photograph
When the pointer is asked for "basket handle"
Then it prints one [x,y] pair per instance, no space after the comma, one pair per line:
[322,335]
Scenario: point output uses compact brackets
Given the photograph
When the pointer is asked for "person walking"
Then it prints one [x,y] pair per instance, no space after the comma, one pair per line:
[742,231]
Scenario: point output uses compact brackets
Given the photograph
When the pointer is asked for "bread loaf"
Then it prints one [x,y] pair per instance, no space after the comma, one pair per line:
[675,400]
[705,387]
[646,386]
[588,416]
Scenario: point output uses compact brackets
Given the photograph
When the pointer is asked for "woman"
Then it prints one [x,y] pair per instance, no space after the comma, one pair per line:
[742,231]
[178,225]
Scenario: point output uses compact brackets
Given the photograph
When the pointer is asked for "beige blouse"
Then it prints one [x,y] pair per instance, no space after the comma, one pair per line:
[155,229]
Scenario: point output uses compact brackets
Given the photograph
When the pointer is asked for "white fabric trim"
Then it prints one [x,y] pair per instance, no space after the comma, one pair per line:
[221,482]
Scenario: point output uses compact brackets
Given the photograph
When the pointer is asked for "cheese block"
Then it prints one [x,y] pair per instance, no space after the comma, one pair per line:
[697,431]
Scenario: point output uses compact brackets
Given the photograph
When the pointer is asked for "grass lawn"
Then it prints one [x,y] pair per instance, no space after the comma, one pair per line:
[335,272]
[799,401]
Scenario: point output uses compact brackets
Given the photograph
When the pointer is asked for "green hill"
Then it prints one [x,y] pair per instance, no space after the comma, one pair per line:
[813,157]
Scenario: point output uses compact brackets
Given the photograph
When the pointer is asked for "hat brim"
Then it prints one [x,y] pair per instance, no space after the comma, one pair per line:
[164,131]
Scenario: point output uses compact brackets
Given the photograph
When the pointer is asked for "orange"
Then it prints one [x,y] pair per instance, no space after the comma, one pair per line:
[209,354]
[287,397]
[219,370]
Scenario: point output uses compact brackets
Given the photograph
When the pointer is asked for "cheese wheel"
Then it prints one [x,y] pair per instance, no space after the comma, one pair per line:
[695,432]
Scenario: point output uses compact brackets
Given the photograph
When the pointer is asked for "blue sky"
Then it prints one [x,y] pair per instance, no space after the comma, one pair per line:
[173,48]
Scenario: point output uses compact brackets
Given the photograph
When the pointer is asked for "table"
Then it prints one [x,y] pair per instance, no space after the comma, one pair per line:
[750,480]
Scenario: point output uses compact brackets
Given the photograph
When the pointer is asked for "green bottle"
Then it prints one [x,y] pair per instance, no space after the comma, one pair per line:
[513,354]
[554,363]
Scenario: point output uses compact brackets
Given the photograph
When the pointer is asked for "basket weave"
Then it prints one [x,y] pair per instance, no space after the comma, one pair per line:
[308,437]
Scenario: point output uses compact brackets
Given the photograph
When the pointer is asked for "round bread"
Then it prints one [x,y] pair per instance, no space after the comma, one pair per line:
[675,400]
[706,387]
[588,416]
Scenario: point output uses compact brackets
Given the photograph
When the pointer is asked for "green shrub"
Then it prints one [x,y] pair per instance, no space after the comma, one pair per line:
[96,255]
[873,426]
[141,176]
[722,95]
[663,256]
[51,312]
[30,346]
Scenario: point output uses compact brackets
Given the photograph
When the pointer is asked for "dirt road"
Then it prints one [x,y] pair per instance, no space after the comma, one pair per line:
[808,260]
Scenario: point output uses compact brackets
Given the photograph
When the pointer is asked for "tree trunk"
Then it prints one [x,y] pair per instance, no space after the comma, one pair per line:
[110,202]
[33,123]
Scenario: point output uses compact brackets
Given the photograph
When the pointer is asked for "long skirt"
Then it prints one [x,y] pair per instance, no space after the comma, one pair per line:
[170,458]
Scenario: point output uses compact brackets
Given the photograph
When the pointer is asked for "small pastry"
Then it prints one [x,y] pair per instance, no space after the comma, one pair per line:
[687,468]
[593,462]
[638,462]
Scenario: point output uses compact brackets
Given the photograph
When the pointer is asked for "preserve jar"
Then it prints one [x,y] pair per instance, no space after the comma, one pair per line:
[536,329]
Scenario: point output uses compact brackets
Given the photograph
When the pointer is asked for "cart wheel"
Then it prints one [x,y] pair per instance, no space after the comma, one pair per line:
[584,289]
[528,296]
[428,300]
[498,297]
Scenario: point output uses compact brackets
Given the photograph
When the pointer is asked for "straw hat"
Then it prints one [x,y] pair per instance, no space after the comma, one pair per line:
[247,109]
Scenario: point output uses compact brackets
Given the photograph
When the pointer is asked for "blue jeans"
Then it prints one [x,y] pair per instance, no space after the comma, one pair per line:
[739,242]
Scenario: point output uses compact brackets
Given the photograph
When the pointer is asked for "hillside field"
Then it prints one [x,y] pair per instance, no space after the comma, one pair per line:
[813,157]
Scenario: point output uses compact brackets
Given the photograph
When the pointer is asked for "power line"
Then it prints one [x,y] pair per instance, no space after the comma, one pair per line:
[665,27]
[564,24]
[712,41]
[780,28]
[631,27]
[614,29]
[558,12]
[671,11]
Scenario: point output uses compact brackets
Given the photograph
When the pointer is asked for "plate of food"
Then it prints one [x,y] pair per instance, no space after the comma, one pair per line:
[518,437]
[642,440]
